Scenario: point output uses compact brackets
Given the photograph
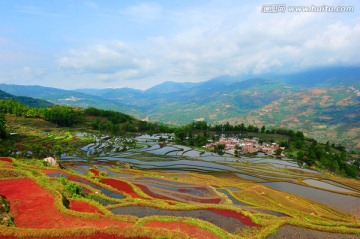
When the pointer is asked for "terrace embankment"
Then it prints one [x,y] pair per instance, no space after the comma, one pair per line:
[228,220]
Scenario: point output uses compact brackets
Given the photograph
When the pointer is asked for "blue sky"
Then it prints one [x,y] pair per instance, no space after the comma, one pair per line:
[99,44]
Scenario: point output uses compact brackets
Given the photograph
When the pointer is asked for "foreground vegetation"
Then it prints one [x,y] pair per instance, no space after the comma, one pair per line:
[73,198]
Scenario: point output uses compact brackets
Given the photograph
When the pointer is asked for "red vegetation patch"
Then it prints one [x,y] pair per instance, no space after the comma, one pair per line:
[150,193]
[101,235]
[75,139]
[6,159]
[146,190]
[239,216]
[48,171]
[121,186]
[84,207]
[200,200]
[86,191]
[208,200]
[97,235]
[180,198]
[69,176]
[191,230]
[95,172]
[33,207]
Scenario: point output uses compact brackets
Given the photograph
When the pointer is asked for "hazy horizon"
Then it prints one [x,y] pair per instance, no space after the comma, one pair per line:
[140,44]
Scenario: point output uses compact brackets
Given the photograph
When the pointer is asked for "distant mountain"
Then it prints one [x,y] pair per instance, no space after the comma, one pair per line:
[111,93]
[65,97]
[323,102]
[26,100]
[335,76]
[170,87]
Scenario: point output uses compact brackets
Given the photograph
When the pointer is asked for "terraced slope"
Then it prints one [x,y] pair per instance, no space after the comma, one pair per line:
[156,204]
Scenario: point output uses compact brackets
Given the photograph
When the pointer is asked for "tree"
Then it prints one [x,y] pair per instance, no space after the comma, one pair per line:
[200,125]
[219,148]
[180,134]
[300,156]
[278,152]
[263,129]
[3,131]
[96,124]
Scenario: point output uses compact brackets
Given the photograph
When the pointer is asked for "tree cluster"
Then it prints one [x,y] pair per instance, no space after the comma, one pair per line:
[18,109]
[63,115]
[308,151]
[113,116]
[327,157]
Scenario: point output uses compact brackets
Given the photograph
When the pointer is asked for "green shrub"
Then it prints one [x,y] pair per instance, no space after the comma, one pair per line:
[70,189]
[73,190]
[5,218]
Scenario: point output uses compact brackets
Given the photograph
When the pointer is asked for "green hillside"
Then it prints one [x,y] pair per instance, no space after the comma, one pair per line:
[323,102]
[327,114]
[29,101]
[65,97]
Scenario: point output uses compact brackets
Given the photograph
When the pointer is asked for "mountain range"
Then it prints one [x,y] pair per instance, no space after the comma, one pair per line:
[323,102]
[29,101]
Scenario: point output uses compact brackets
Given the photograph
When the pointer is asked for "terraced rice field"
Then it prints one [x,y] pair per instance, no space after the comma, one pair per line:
[174,192]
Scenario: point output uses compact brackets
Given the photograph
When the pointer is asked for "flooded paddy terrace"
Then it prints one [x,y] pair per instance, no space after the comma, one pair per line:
[179,174]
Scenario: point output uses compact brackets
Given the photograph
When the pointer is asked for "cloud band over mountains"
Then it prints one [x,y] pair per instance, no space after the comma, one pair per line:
[141,44]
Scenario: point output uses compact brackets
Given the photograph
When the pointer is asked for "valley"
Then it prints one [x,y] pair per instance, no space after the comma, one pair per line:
[135,186]
[323,103]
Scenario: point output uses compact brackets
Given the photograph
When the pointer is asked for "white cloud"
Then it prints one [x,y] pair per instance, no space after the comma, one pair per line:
[144,12]
[115,61]
[260,43]
[35,10]
[206,40]
[91,4]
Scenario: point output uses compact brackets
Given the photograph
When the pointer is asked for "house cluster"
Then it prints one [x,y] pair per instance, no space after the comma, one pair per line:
[245,145]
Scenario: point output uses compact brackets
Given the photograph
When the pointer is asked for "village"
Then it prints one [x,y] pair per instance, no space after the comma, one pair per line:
[237,146]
